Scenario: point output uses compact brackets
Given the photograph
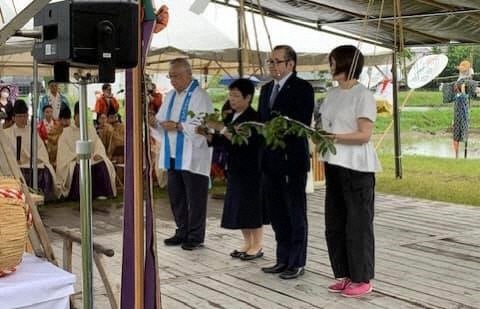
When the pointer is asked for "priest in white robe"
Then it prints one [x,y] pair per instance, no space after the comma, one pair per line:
[68,168]
[19,139]
[185,154]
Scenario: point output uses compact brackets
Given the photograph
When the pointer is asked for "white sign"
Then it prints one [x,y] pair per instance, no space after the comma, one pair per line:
[425,70]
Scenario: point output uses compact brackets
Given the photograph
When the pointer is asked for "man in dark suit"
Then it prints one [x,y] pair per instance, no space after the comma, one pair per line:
[285,170]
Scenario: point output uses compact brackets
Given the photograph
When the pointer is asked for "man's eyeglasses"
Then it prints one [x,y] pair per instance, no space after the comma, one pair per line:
[275,62]
[174,75]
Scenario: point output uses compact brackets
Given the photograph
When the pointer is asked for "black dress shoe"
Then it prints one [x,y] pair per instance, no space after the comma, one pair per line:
[248,257]
[191,245]
[236,254]
[173,241]
[292,273]
[275,269]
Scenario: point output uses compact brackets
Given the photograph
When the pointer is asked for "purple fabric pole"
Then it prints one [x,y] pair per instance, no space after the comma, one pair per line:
[128,255]
[150,275]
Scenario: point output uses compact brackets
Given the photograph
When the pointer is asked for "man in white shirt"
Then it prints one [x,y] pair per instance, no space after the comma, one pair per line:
[185,154]
[54,98]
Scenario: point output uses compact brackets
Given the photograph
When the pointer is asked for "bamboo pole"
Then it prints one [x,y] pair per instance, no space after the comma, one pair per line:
[137,173]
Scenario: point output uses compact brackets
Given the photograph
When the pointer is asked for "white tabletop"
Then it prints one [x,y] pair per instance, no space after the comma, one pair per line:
[36,284]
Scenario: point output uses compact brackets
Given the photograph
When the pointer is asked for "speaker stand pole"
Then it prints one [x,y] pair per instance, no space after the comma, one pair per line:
[84,151]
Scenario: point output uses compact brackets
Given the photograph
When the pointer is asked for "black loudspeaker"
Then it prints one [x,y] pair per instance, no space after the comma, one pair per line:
[88,34]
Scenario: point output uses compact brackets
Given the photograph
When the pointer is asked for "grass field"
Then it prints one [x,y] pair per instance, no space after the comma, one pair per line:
[438,179]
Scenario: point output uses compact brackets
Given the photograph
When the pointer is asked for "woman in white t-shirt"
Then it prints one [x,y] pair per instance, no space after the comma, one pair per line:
[348,113]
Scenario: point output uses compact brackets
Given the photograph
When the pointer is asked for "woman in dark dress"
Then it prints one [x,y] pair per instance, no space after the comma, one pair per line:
[242,209]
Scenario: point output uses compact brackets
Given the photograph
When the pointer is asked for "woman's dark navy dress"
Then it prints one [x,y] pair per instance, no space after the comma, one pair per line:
[243,208]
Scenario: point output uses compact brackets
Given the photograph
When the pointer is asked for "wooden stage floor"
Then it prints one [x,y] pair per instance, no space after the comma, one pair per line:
[427,256]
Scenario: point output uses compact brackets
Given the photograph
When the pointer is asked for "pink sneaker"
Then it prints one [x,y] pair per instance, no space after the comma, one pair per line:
[357,289]
[339,285]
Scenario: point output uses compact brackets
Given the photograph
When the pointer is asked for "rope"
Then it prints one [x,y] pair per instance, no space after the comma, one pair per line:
[265,24]
[379,143]
[360,41]
[14,7]
[396,14]
[400,25]
[260,64]
[243,35]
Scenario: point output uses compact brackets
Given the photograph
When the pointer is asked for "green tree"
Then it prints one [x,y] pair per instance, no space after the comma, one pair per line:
[457,54]
[214,81]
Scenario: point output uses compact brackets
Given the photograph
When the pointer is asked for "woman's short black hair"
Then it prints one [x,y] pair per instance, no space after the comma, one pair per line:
[345,61]
[45,107]
[20,107]
[245,86]
[65,112]
[106,86]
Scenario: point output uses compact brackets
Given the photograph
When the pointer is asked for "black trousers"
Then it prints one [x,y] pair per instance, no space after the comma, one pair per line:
[101,184]
[286,203]
[188,193]
[45,181]
[349,211]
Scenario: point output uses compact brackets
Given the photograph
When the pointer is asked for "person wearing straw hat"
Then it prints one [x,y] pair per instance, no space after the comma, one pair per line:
[460,104]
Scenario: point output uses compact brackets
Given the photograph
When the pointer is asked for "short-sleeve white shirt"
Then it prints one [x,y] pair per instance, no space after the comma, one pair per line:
[339,113]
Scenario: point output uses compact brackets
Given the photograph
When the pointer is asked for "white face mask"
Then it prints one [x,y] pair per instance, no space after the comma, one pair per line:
[5,94]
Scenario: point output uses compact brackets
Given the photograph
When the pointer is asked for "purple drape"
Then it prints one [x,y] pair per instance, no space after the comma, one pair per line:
[128,267]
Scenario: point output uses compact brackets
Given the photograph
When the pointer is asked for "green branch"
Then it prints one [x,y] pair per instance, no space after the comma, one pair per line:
[274,131]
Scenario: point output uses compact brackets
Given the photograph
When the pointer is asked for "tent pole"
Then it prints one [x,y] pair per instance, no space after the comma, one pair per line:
[34,126]
[396,118]
[240,41]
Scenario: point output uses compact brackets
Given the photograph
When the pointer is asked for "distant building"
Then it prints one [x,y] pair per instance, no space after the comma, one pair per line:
[24,84]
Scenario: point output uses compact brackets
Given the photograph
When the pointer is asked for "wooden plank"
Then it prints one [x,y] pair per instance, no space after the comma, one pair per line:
[430,270]
[67,255]
[250,298]
[170,302]
[106,282]
[187,299]
[276,300]
[212,297]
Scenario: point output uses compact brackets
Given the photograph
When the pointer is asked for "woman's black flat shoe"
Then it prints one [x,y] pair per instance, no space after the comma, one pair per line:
[236,253]
[248,257]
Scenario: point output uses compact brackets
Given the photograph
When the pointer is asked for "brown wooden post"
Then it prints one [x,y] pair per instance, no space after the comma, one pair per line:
[103,274]
[67,254]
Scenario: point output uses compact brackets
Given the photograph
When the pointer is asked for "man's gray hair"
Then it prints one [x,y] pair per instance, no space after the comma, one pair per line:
[183,62]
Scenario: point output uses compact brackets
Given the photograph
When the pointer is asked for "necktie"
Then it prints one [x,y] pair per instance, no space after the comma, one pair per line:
[273,96]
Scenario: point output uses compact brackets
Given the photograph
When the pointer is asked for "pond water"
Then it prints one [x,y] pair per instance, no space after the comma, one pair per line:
[426,108]
[441,147]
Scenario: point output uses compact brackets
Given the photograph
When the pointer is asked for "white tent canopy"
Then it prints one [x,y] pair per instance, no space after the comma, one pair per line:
[209,39]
